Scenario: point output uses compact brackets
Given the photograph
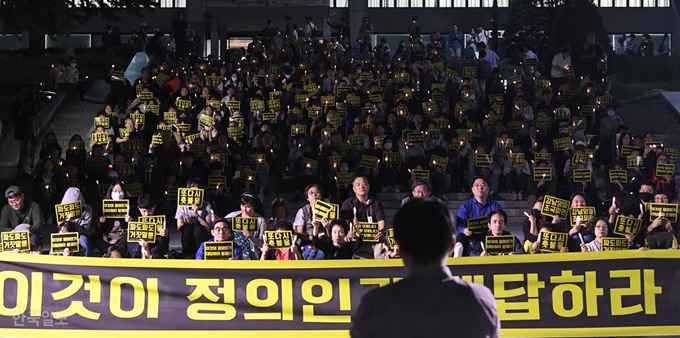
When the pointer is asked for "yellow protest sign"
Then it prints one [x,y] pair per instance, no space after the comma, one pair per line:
[478,225]
[582,175]
[16,240]
[158,220]
[499,245]
[552,241]
[345,178]
[245,223]
[368,231]
[216,182]
[100,138]
[278,239]
[218,250]
[586,214]
[665,210]
[72,210]
[65,240]
[368,161]
[421,174]
[138,231]
[613,243]
[624,225]
[621,175]
[115,208]
[483,160]
[187,197]
[553,206]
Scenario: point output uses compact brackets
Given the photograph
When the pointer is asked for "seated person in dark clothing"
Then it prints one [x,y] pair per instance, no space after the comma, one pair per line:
[21,211]
[337,245]
[146,205]
[220,229]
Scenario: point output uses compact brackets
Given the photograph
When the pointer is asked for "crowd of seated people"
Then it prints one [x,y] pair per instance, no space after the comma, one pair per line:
[341,124]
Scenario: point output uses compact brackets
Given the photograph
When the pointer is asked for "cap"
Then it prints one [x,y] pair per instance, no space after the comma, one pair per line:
[13,191]
[237,114]
[563,124]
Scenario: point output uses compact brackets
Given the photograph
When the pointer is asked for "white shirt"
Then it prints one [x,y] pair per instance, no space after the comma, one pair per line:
[483,37]
[561,62]
[492,57]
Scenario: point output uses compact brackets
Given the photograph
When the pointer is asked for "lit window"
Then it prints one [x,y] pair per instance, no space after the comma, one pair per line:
[474,3]
[606,3]
[338,3]
[416,3]
[444,3]
[634,3]
[387,3]
[503,3]
[402,3]
[459,3]
[649,3]
[430,3]
[373,3]
[663,3]
[620,3]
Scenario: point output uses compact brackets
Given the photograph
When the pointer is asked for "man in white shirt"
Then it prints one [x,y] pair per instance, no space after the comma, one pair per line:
[629,46]
[561,62]
[424,303]
[491,56]
[529,54]
[482,35]
[310,28]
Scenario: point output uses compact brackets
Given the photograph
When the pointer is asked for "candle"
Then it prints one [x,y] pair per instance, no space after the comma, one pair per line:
[355,211]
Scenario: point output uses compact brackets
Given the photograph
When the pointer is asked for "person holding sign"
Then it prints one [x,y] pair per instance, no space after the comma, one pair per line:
[21,211]
[429,292]
[337,245]
[193,222]
[146,207]
[477,208]
[361,208]
[112,229]
[661,232]
[305,222]
[66,227]
[253,239]
[220,229]
[281,254]
[663,180]
[84,222]
[208,133]
[580,232]
[601,231]
[497,222]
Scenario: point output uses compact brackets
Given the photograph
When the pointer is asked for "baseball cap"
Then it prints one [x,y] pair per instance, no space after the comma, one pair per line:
[13,192]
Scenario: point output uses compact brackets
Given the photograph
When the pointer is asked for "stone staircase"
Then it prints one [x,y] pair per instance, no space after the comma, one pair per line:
[72,120]
[653,113]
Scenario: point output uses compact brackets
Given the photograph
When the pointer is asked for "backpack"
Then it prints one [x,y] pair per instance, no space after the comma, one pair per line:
[313,32]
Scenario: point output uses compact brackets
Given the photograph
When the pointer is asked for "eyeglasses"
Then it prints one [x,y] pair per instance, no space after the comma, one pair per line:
[480,186]
[220,229]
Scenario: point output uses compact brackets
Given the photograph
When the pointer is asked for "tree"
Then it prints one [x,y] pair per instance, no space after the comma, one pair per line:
[574,20]
[60,17]
[528,24]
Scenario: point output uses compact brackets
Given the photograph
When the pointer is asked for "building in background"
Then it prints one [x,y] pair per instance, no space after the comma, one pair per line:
[232,23]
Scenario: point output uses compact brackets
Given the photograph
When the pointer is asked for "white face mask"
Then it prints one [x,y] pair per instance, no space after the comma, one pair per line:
[233,78]
[597,147]
[117,195]
[388,146]
[611,112]
[73,65]
[287,76]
